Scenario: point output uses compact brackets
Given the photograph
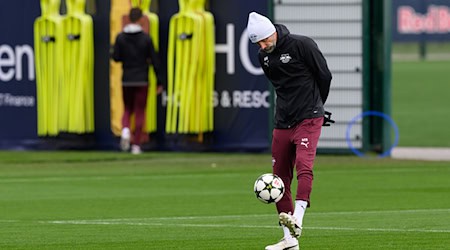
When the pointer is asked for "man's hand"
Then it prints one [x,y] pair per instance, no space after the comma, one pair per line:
[159,89]
[327,119]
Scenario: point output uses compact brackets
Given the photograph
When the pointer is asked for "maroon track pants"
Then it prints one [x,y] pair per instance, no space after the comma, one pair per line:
[135,101]
[295,147]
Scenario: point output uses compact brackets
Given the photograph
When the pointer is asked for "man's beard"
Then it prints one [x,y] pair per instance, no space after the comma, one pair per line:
[270,49]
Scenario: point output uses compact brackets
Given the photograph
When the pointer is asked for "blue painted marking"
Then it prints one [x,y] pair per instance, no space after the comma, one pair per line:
[372,113]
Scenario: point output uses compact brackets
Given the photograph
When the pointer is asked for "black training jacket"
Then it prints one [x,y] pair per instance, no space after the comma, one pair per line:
[136,52]
[300,75]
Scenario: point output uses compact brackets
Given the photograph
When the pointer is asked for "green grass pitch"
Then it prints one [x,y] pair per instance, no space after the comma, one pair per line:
[420,106]
[109,200]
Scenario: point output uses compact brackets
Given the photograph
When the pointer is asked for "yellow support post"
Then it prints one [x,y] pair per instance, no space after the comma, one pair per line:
[171,74]
[185,42]
[208,66]
[151,109]
[48,60]
[79,84]
[119,8]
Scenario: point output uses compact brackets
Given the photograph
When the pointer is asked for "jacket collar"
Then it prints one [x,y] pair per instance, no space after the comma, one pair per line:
[132,28]
[282,33]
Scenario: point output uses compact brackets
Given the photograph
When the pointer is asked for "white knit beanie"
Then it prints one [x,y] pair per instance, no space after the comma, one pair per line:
[259,27]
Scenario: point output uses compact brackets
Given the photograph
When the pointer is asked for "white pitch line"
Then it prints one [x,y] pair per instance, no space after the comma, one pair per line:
[215,217]
[74,222]
[80,222]
[155,221]
[380,229]
[410,211]
[444,210]
[55,179]
[102,178]
[219,217]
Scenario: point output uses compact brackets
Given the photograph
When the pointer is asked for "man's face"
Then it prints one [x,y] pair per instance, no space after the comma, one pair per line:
[268,44]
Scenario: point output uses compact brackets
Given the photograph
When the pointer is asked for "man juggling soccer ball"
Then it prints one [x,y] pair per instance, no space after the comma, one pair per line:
[300,76]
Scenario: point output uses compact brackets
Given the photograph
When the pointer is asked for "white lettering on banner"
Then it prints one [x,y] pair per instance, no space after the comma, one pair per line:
[20,52]
[228,48]
[250,99]
[215,99]
[225,100]
[238,99]
[435,21]
[11,62]
[245,57]
[8,100]
[242,99]
[7,62]
[164,98]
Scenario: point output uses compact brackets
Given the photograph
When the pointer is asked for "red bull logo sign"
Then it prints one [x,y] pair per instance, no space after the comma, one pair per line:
[420,20]
[435,21]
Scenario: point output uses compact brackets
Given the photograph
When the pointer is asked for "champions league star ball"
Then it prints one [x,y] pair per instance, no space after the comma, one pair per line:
[269,188]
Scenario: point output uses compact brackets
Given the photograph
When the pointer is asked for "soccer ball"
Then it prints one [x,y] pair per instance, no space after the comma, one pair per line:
[269,188]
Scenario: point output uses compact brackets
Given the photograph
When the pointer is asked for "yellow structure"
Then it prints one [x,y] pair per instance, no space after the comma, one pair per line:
[151,117]
[119,10]
[190,65]
[208,66]
[77,92]
[48,40]
[64,56]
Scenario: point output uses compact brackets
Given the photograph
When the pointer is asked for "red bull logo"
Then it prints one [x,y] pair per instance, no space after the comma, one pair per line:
[435,21]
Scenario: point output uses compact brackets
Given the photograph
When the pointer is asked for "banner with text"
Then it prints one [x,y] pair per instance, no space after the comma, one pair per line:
[17,73]
[241,96]
[420,20]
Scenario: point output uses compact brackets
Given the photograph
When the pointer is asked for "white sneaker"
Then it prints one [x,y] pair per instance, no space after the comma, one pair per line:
[125,139]
[135,149]
[284,244]
[290,222]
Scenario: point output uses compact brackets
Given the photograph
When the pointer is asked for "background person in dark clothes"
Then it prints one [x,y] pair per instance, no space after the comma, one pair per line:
[301,78]
[135,50]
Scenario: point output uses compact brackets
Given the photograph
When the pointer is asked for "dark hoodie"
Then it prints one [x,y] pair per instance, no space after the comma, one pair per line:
[300,75]
[135,50]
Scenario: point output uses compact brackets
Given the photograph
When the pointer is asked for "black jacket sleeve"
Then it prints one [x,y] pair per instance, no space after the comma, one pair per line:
[315,59]
[116,54]
[156,62]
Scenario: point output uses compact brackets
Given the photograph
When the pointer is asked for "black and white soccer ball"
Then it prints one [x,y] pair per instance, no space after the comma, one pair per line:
[269,188]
